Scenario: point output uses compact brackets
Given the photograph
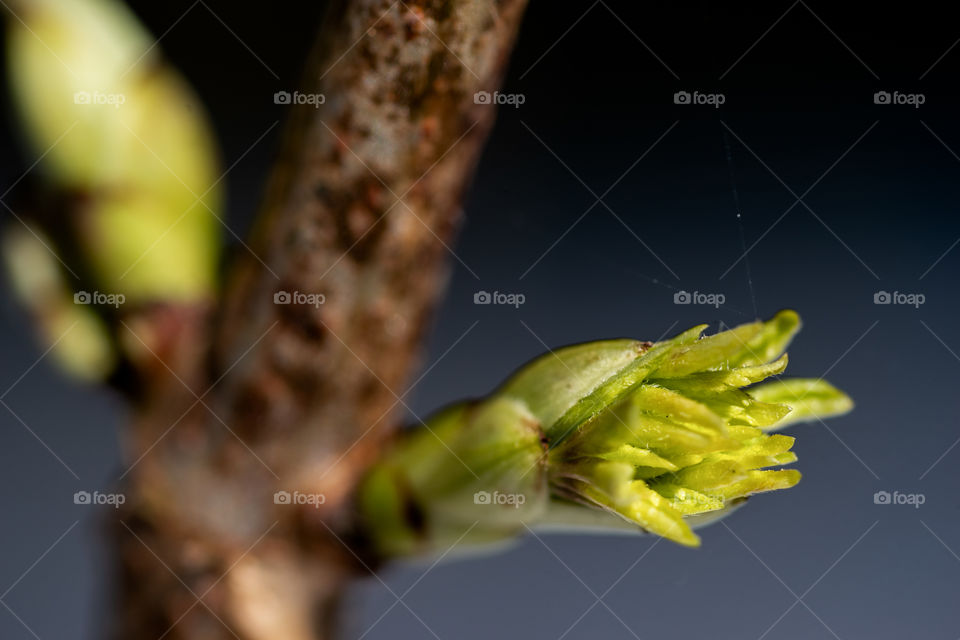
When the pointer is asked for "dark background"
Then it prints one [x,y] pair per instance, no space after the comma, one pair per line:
[597,96]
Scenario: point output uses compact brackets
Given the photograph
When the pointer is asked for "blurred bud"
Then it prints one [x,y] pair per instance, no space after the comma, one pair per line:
[78,337]
[118,126]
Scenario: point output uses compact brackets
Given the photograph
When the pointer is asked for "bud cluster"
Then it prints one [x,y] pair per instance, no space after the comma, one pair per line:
[654,436]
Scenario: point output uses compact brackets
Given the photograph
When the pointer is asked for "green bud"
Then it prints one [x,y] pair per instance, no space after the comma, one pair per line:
[117,125]
[474,467]
[655,436]
[79,340]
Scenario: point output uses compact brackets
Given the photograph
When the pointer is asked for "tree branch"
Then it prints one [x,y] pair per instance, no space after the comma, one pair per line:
[361,209]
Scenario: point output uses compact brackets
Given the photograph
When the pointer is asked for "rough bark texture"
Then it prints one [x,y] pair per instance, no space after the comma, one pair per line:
[361,208]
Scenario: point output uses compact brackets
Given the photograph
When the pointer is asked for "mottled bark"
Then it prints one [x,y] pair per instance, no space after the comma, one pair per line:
[362,206]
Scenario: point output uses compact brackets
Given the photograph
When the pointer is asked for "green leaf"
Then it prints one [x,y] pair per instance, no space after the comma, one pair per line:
[708,353]
[748,345]
[772,340]
[637,457]
[611,487]
[736,406]
[727,379]
[808,400]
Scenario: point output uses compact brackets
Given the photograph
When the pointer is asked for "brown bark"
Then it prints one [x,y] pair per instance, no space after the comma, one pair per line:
[361,208]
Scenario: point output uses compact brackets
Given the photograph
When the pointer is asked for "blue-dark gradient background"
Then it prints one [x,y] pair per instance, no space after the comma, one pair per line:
[684,190]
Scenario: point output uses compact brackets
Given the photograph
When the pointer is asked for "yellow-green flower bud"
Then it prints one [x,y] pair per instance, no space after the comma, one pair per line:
[657,435]
[117,126]
[79,340]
